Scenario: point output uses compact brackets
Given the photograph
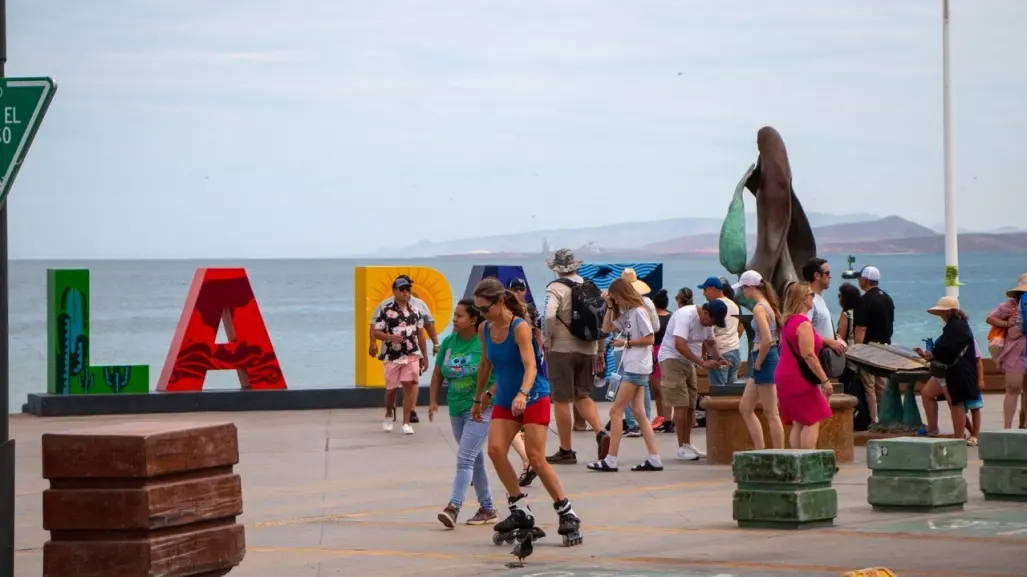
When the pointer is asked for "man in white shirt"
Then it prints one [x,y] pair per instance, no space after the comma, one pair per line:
[689,330]
[727,338]
[818,274]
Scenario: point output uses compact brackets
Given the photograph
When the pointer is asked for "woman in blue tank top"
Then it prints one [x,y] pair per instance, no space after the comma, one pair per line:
[511,355]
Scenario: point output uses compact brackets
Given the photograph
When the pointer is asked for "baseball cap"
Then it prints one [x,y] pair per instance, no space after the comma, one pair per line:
[748,278]
[517,283]
[712,282]
[401,282]
[871,273]
[718,311]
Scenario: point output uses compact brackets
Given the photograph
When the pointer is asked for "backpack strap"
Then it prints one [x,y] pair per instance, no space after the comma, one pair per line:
[569,284]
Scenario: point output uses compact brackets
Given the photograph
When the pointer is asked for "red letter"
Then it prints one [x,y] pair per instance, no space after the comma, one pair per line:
[221,294]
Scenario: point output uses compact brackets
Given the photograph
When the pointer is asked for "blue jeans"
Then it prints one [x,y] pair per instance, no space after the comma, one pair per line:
[470,459]
[635,380]
[728,375]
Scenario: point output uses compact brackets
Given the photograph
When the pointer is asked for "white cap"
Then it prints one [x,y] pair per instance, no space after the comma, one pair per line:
[748,278]
[871,274]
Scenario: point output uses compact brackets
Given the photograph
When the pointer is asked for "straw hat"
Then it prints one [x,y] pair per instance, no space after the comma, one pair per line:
[1021,287]
[944,304]
[640,286]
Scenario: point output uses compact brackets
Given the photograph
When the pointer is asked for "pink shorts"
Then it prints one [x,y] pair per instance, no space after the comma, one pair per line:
[398,373]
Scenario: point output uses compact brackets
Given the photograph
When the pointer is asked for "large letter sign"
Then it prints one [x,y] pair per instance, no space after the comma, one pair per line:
[373,284]
[504,272]
[69,371]
[221,295]
[23,103]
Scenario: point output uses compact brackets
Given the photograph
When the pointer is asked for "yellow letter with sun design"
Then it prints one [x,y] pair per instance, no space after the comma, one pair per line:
[373,284]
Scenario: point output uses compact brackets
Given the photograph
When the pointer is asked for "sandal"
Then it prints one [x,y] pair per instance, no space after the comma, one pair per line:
[602,467]
[647,466]
[527,476]
[971,442]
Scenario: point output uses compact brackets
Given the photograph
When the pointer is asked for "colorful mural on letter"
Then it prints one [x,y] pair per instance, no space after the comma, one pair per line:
[505,274]
[69,371]
[221,295]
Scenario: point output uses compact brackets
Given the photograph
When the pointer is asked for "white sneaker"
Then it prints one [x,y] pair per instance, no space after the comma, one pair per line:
[387,426]
[408,430]
[686,453]
[701,454]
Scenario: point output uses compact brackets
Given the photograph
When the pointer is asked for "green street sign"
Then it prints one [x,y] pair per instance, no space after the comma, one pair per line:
[23,103]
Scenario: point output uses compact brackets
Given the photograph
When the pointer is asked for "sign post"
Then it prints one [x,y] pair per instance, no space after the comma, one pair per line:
[23,103]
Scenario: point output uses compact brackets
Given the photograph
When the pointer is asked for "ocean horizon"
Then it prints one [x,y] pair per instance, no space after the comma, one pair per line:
[307,305]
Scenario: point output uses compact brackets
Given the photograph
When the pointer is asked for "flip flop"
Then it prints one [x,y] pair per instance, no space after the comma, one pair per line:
[971,442]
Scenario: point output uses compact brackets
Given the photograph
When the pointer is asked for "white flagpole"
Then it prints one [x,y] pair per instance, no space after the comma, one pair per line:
[951,232]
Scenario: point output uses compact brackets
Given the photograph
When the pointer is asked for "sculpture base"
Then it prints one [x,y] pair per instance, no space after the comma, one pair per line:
[726,432]
[45,405]
[860,438]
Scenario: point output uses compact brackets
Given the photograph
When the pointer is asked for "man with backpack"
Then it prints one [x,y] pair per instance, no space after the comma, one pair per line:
[572,330]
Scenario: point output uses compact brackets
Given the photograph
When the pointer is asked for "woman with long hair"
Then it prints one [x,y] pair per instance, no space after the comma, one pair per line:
[627,314]
[802,385]
[661,301]
[457,364]
[762,361]
[953,363]
[511,356]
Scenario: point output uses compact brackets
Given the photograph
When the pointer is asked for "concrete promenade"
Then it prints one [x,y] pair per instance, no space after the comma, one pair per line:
[329,493]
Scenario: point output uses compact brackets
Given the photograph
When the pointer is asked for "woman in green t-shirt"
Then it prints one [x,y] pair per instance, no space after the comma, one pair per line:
[456,364]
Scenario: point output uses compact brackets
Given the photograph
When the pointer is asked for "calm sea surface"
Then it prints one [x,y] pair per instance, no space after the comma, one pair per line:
[308,307]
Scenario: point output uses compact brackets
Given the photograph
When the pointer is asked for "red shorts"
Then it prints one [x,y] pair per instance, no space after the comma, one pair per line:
[537,413]
[656,363]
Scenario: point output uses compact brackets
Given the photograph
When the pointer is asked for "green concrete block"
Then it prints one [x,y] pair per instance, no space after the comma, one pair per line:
[784,489]
[922,454]
[783,509]
[753,469]
[916,474]
[1009,445]
[933,493]
[1004,473]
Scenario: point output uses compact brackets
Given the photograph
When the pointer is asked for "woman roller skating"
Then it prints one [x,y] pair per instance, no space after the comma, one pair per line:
[510,353]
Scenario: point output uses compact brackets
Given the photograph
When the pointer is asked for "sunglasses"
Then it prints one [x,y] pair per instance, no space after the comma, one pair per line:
[484,308]
[403,289]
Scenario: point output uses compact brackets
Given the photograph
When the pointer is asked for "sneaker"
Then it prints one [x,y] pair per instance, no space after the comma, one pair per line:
[564,457]
[634,432]
[408,430]
[387,426]
[687,453]
[701,454]
[448,516]
[483,517]
[414,418]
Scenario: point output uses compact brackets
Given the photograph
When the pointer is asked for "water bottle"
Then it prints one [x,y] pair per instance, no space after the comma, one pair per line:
[928,344]
[612,385]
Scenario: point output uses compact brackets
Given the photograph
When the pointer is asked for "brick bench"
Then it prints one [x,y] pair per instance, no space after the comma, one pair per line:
[142,499]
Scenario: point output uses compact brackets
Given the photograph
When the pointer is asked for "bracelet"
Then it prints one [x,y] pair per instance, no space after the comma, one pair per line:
[489,393]
[521,393]
[477,402]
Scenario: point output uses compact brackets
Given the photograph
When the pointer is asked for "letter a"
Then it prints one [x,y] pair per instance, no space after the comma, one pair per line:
[216,295]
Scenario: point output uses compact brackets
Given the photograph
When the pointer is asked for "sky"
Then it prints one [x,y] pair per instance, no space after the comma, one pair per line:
[267,129]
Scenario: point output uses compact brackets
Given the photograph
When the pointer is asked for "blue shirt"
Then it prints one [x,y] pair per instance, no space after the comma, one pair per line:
[508,370]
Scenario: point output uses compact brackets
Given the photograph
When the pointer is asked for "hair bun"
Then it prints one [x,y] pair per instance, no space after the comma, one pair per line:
[662,291]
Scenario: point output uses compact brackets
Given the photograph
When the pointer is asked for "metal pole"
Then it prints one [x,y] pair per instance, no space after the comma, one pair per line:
[6,443]
[951,232]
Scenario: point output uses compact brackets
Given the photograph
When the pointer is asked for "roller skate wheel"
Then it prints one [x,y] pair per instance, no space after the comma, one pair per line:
[573,539]
[497,538]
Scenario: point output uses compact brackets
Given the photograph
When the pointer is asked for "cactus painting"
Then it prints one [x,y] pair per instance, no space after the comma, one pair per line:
[69,371]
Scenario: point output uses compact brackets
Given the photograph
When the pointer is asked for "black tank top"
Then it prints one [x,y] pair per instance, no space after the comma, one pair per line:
[663,327]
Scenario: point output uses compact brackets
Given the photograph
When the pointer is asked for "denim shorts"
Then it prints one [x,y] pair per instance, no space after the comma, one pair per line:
[636,379]
[765,375]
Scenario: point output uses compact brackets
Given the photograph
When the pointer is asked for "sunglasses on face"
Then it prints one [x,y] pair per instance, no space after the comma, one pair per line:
[484,308]
[403,289]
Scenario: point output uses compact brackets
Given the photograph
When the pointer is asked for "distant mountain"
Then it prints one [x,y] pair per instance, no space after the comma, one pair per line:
[940,229]
[968,242]
[629,236]
[850,233]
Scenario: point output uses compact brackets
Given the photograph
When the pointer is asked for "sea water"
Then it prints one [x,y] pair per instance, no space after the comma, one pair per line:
[308,306]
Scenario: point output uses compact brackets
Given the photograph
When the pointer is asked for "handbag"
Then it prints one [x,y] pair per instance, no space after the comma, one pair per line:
[807,373]
[613,383]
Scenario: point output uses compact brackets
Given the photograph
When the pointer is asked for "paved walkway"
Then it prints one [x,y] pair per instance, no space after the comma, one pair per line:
[329,493]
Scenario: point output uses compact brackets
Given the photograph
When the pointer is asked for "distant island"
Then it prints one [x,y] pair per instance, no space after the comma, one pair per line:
[835,234]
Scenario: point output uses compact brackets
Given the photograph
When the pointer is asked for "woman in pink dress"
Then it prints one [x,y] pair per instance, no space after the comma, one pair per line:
[802,384]
[1013,348]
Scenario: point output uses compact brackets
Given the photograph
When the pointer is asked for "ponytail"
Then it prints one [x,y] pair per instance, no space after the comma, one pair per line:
[515,305]
[775,303]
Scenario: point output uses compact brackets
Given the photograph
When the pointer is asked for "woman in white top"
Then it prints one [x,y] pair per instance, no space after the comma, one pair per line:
[628,315]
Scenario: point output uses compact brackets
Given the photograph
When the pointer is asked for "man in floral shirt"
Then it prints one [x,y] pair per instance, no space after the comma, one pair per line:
[400,326]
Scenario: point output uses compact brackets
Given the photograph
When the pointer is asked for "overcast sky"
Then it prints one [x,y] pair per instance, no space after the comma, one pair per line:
[262,128]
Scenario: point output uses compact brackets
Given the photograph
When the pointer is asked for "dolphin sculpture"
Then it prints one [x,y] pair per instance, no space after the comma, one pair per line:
[784,238]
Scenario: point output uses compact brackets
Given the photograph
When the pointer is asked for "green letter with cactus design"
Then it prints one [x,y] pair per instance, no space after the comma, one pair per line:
[67,324]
